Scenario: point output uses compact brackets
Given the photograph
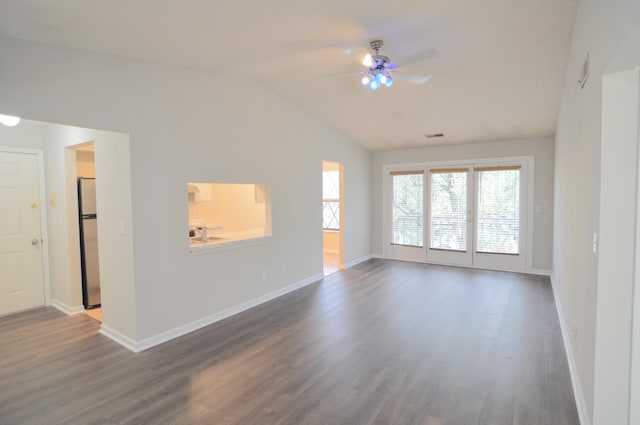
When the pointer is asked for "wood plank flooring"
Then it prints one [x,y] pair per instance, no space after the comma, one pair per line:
[330,263]
[384,342]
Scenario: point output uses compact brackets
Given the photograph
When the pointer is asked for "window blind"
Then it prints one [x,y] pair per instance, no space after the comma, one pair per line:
[408,208]
[449,209]
[498,216]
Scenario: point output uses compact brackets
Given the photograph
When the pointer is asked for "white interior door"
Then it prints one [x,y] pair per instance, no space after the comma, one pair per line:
[21,272]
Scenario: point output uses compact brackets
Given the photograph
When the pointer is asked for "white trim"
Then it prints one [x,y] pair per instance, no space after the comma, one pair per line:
[205,321]
[634,385]
[540,272]
[357,261]
[581,406]
[473,161]
[44,234]
[121,339]
[531,216]
[67,309]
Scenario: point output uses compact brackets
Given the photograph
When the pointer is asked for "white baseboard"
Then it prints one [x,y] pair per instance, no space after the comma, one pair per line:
[65,308]
[583,414]
[152,341]
[540,272]
[119,338]
[356,262]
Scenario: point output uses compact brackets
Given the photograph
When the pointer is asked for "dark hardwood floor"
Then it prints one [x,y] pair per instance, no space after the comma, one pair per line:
[381,343]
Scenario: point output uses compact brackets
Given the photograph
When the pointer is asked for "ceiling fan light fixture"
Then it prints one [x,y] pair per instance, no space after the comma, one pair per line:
[9,120]
[374,85]
[368,60]
[366,80]
[389,82]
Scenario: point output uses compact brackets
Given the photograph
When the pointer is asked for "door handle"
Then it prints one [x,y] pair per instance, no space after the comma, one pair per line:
[34,241]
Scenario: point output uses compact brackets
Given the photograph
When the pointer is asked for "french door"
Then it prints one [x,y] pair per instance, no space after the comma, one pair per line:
[460,214]
[450,215]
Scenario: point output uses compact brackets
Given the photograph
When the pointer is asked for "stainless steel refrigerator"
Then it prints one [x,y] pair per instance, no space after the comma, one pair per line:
[89,242]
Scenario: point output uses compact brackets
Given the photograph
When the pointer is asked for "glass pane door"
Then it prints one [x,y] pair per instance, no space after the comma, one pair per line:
[466,215]
[499,217]
[450,215]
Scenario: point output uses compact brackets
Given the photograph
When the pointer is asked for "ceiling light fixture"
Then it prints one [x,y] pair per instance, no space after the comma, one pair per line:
[9,120]
[379,66]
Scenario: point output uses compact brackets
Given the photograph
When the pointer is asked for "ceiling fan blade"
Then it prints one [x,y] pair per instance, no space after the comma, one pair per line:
[418,57]
[411,78]
[358,53]
[340,75]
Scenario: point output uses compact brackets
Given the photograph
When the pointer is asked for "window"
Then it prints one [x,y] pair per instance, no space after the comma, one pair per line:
[407,208]
[331,200]
[498,222]
[449,209]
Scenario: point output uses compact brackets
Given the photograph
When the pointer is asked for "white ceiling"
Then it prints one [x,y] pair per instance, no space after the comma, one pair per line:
[497,75]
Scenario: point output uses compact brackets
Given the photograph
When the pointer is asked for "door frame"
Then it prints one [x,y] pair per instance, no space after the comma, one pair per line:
[46,278]
[341,215]
[528,160]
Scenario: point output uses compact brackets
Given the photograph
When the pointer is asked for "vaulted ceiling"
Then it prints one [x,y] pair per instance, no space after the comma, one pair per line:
[497,69]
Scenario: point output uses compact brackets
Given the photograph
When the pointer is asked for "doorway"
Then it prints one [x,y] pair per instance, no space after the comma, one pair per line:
[332,216]
[88,237]
[22,262]
[466,214]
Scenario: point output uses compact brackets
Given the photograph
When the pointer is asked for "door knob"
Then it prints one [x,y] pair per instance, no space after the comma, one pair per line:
[34,241]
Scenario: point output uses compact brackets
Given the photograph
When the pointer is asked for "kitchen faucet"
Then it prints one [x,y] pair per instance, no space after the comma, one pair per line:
[203,232]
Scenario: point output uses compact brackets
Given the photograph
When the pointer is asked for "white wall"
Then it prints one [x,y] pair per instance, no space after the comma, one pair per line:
[24,135]
[113,203]
[541,149]
[600,29]
[187,126]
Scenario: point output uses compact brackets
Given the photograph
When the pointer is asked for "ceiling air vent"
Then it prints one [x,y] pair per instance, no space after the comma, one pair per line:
[434,135]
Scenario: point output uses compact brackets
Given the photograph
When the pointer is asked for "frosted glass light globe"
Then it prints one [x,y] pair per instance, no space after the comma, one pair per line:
[9,120]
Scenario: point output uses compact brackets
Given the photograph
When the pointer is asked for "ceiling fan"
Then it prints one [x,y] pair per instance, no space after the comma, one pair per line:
[382,72]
